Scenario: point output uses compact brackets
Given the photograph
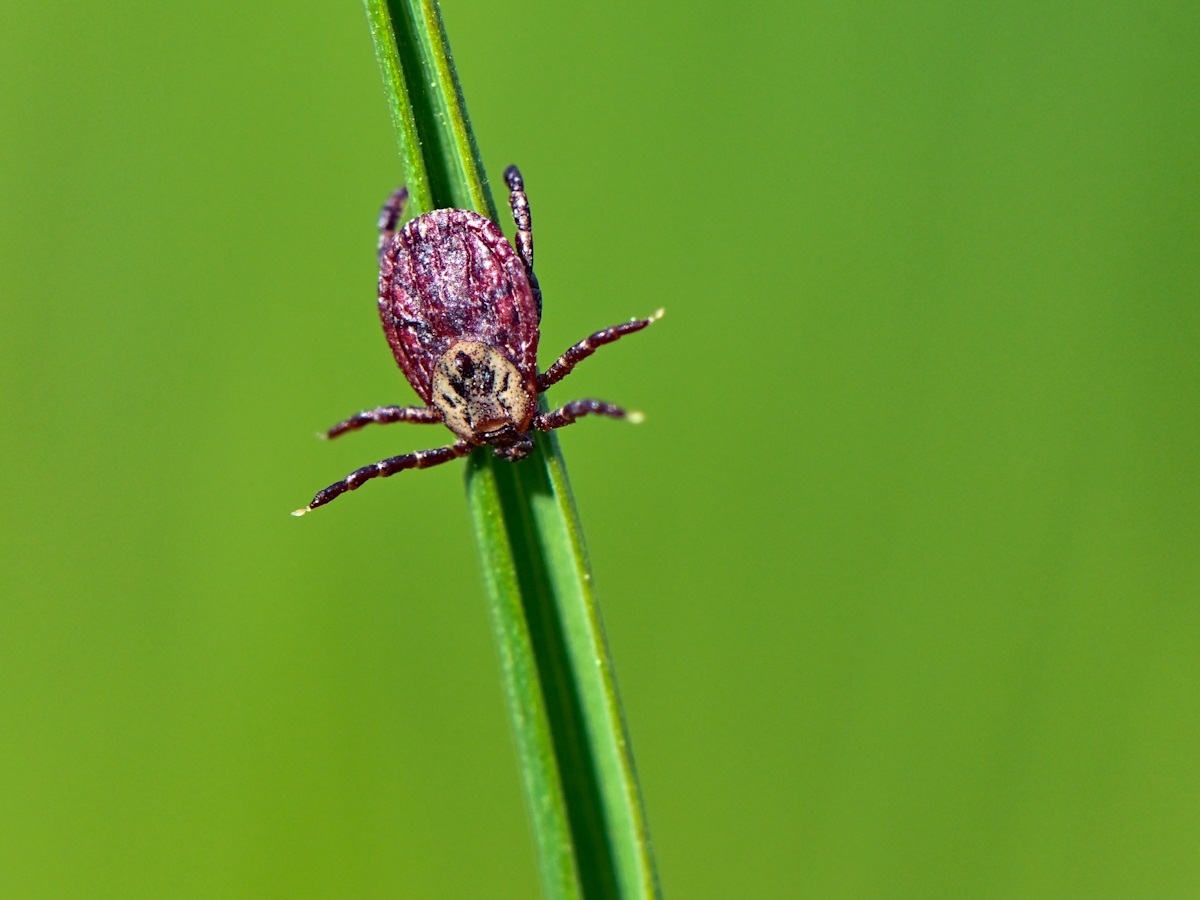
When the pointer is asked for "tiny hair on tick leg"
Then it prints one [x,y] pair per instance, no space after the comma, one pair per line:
[461,309]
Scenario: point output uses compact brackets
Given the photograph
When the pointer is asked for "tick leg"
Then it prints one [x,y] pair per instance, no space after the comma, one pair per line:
[422,459]
[585,348]
[389,217]
[384,415]
[567,415]
[520,210]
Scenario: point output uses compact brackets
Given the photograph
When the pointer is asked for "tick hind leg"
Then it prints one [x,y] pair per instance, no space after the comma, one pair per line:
[422,459]
[521,215]
[389,217]
[566,415]
[383,415]
[585,348]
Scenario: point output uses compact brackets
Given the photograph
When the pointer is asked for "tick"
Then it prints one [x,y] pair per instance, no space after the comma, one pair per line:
[461,310]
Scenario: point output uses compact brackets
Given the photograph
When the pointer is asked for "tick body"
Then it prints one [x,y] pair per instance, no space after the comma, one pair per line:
[461,310]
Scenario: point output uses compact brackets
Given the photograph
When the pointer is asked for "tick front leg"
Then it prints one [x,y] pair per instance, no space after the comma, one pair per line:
[422,459]
[585,348]
[423,415]
[521,215]
[389,217]
[567,415]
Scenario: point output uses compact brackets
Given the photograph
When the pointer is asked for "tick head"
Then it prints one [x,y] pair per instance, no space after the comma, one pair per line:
[480,393]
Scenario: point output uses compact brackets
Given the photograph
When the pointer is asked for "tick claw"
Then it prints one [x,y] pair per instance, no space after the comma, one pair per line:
[302,511]
[658,314]
[636,416]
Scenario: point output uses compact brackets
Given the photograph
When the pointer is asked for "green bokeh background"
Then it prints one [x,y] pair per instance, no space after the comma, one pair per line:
[900,575]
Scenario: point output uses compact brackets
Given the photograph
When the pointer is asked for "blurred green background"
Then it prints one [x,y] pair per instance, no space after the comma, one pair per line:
[900,575]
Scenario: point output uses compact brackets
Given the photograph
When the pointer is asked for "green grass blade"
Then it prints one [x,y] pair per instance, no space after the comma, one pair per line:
[400,105]
[572,746]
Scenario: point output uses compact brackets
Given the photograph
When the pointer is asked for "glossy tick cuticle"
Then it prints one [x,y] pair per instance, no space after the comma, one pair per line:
[461,309]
